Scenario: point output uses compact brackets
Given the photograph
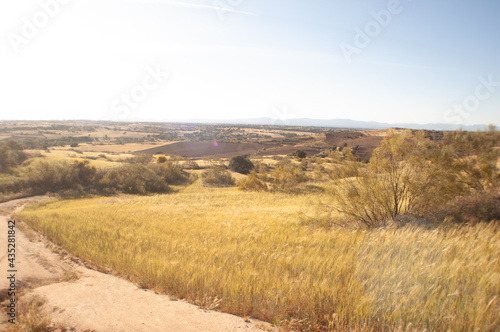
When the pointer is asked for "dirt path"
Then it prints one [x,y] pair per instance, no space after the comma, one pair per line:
[76,298]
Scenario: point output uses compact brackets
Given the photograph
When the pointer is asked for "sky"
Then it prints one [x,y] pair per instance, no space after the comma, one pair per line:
[394,61]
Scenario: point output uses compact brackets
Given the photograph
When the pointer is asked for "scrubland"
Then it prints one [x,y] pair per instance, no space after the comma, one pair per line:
[265,255]
[409,240]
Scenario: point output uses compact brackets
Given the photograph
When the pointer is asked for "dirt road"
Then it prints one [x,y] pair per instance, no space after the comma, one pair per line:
[77,298]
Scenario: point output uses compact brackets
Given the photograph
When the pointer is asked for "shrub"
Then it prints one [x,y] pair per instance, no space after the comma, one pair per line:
[284,178]
[241,164]
[161,159]
[133,179]
[254,182]
[170,172]
[142,159]
[473,208]
[83,173]
[402,177]
[190,164]
[11,155]
[217,177]
[472,158]
[300,154]
[56,176]
[73,145]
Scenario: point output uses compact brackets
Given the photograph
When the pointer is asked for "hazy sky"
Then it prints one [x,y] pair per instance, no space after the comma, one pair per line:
[391,61]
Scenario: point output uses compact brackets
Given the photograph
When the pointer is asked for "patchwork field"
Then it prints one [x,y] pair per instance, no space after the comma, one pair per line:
[266,255]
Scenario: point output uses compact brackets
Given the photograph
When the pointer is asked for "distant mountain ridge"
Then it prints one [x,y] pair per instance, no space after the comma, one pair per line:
[339,123]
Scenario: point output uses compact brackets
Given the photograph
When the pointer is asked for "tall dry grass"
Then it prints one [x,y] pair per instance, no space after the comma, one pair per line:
[258,254]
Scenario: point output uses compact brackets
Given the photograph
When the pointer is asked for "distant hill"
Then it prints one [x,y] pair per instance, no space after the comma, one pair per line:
[340,123]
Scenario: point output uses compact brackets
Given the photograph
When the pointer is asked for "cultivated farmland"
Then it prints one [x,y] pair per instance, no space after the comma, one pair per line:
[263,256]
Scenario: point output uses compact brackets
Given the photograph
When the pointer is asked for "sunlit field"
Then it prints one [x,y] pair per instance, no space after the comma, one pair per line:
[264,255]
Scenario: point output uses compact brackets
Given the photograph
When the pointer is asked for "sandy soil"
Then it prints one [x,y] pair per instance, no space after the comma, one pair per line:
[82,299]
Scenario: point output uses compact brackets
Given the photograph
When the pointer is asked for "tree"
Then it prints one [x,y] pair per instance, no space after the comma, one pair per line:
[241,164]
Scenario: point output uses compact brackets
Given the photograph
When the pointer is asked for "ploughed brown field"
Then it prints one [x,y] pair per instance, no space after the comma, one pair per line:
[207,148]
[367,143]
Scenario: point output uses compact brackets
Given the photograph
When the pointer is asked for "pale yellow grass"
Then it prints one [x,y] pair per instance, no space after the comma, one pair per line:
[260,254]
[119,148]
[71,156]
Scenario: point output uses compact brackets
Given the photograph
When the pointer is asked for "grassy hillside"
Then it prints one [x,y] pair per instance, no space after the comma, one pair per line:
[264,255]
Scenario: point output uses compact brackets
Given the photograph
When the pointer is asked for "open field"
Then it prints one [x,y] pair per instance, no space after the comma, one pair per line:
[265,255]
[114,148]
[272,248]
[201,149]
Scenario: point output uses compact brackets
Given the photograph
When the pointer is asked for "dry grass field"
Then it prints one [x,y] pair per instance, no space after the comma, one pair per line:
[114,148]
[266,255]
[278,254]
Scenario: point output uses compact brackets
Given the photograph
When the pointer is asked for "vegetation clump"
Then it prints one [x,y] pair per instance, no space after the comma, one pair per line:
[285,177]
[79,178]
[241,164]
[410,174]
[132,179]
[300,154]
[161,159]
[58,176]
[472,208]
[142,159]
[217,177]
[11,155]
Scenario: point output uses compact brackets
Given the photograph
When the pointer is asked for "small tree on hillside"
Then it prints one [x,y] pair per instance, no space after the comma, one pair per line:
[241,164]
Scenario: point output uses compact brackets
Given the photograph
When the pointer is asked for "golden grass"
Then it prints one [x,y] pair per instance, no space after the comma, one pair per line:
[257,254]
[119,148]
